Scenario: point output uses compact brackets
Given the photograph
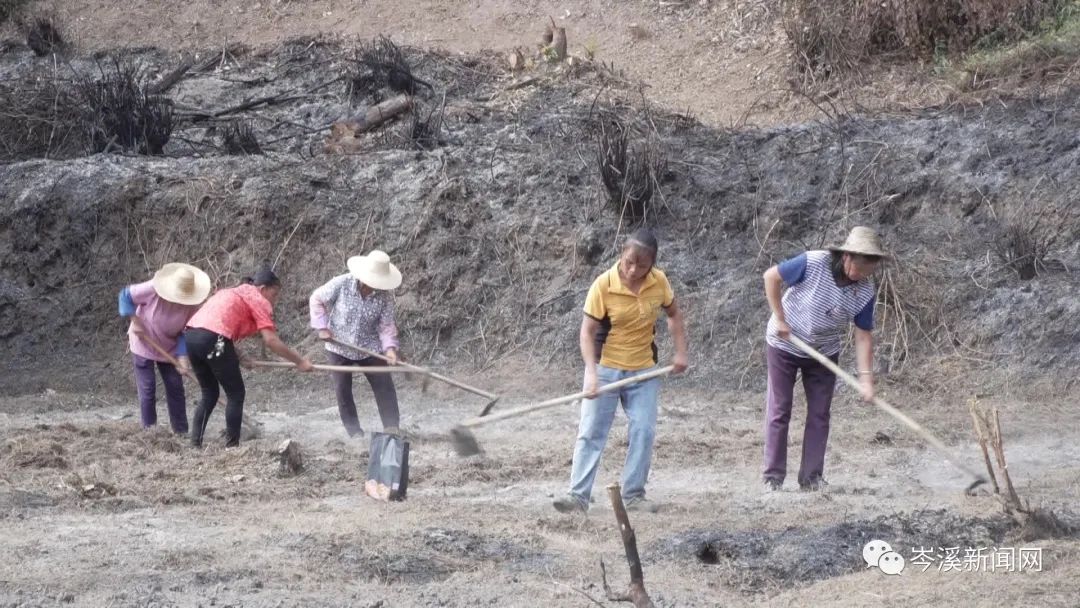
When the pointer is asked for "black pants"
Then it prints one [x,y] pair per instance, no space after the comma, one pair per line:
[381,384]
[214,361]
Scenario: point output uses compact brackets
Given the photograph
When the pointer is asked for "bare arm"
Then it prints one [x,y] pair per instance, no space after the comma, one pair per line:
[676,324]
[587,341]
[274,343]
[774,289]
[864,359]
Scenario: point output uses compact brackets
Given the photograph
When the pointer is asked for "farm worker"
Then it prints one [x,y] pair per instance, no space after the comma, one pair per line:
[159,310]
[826,291]
[229,316]
[357,308]
[617,342]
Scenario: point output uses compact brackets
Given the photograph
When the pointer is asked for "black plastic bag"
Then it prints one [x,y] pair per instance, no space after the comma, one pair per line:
[388,469]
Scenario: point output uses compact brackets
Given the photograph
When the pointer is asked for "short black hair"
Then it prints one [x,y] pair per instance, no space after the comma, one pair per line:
[265,277]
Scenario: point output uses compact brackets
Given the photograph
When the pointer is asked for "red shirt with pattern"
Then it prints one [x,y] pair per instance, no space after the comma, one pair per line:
[235,313]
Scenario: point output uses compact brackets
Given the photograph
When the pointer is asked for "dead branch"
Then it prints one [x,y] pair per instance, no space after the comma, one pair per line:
[636,594]
[269,100]
[976,420]
[167,81]
[1012,498]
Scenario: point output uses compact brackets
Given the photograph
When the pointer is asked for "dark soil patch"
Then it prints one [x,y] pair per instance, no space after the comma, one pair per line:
[755,559]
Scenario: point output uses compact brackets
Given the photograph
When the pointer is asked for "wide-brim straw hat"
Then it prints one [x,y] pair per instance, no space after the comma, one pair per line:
[182,284]
[863,241]
[375,270]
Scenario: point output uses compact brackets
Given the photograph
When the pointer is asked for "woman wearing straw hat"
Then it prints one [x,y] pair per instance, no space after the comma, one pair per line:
[159,310]
[229,316]
[826,291]
[617,342]
[357,309]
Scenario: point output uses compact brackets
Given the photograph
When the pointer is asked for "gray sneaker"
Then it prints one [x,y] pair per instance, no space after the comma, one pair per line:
[641,505]
[570,504]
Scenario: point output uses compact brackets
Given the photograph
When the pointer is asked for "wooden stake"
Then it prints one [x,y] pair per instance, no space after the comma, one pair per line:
[637,594]
[976,420]
[559,43]
[1012,498]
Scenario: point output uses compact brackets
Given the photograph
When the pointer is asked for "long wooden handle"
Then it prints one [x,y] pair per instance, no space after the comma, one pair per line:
[881,403]
[517,411]
[418,369]
[379,356]
[140,330]
[352,369]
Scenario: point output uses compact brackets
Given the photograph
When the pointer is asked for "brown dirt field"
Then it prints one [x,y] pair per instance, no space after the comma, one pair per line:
[135,518]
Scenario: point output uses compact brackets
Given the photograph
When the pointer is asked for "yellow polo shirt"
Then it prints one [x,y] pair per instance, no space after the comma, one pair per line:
[627,320]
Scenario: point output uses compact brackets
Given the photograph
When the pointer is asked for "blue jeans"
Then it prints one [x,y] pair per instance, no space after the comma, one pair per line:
[639,401]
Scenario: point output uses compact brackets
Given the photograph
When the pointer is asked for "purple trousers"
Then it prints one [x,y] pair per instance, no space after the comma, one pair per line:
[145,382]
[819,384]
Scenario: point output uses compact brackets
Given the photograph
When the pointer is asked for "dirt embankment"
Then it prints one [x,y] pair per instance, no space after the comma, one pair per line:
[500,229]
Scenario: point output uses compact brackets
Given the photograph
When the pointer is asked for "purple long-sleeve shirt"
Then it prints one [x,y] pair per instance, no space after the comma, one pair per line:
[164,320]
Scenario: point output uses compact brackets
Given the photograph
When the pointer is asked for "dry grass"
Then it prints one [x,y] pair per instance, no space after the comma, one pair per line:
[11,9]
[837,36]
[45,35]
[1026,234]
[238,139]
[119,114]
[38,119]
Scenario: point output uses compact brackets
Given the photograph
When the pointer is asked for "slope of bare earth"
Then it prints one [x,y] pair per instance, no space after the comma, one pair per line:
[724,61]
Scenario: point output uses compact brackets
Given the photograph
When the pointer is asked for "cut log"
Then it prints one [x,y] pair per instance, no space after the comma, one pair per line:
[343,134]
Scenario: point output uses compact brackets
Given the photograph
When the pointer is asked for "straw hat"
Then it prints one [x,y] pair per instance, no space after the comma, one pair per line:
[375,270]
[181,284]
[863,241]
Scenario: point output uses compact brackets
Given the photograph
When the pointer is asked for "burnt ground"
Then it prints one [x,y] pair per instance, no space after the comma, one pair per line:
[499,230]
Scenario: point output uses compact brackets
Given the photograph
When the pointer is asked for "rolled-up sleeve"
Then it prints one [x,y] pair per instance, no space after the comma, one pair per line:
[125,303]
[388,333]
[321,301]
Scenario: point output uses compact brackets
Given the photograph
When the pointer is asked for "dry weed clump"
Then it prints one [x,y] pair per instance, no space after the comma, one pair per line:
[10,9]
[833,36]
[239,139]
[119,114]
[1026,234]
[61,115]
[382,64]
[423,131]
[45,36]
[911,310]
[631,168]
[38,119]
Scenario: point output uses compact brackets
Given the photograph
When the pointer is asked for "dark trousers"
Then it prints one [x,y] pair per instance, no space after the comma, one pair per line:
[381,384]
[215,362]
[819,384]
[146,385]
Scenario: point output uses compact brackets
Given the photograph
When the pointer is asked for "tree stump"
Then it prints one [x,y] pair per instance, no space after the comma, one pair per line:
[290,461]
